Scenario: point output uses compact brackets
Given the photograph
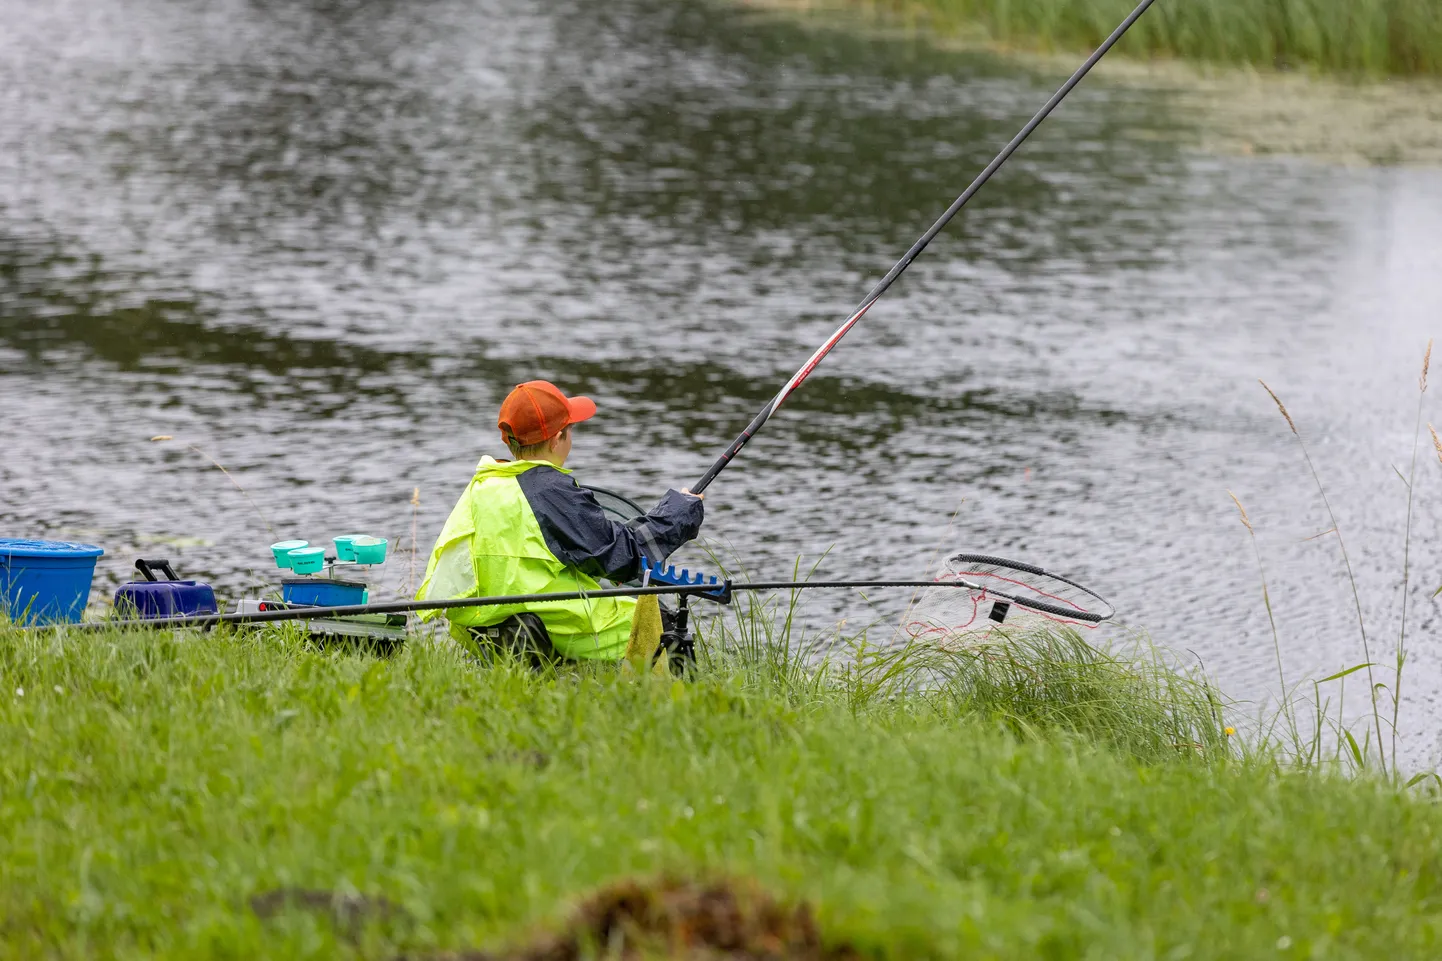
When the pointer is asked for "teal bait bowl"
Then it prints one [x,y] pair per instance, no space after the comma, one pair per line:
[344,546]
[369,550]
[307,560]
[282,550]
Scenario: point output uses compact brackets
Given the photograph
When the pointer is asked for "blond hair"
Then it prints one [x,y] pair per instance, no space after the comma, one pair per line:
[521,451]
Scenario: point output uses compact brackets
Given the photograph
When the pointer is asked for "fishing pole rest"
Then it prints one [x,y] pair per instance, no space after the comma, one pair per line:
[677,645]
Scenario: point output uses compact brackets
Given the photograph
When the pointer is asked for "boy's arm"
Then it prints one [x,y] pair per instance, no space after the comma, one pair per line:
[580,534]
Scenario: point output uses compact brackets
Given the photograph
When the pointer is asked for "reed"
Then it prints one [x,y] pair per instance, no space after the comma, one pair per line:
[1401,654]
[1353,36]
[1309,750]
[1287,703]
[415,540]
[1360,752]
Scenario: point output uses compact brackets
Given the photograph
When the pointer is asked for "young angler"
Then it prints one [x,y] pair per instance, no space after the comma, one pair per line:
[525,527]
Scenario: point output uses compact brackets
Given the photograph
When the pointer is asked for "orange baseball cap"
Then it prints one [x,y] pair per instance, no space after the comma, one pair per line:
[537,411]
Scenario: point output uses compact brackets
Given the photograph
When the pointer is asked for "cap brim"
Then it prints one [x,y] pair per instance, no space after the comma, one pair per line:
[581,408]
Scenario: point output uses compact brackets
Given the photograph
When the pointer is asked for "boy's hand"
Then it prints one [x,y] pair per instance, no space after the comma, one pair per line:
[687,492]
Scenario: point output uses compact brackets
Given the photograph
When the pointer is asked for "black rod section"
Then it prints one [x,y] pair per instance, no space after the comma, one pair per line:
[775,403]
[410,607]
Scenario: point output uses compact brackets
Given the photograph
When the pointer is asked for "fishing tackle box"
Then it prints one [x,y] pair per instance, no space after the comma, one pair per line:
[322,592]
[155,598]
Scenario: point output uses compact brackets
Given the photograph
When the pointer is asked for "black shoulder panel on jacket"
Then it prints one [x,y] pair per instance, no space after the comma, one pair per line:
[580,534]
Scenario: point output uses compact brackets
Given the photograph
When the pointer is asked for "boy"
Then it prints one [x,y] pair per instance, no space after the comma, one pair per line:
[525,527]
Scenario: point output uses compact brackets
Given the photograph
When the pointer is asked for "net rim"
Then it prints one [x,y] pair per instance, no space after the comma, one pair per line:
[607,492]
[1056,610]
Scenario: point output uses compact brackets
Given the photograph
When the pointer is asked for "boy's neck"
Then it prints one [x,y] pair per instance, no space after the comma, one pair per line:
[551,459]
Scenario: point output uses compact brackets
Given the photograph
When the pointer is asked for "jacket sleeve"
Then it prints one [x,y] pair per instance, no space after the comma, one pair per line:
[580,534]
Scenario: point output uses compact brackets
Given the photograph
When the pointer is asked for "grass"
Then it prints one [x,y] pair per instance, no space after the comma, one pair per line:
[242,796]
[1361,753]
[1351,36]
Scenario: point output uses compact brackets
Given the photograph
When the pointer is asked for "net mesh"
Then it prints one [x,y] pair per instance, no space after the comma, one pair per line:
[999,592]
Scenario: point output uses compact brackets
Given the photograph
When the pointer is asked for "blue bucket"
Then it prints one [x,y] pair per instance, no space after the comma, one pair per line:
[45,581]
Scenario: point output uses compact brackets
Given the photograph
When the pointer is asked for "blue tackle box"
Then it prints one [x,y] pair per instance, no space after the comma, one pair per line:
[322,592]
[172,597]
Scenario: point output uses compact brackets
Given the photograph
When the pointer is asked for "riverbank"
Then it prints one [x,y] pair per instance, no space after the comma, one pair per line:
[1367,37]
[1236,106]
[230,796]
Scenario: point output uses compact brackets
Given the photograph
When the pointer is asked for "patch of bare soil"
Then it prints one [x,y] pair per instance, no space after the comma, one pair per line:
[348,912]
[683,920]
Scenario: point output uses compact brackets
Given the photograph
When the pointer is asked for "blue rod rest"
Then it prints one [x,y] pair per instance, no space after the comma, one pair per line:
[658,573]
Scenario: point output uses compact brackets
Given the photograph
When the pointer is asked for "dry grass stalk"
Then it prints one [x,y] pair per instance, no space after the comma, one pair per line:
[1243,511]
[1287,712]
[1436,441]
[220,467]
[1396,691]
[1280,406]
[415,545]
[1336,529]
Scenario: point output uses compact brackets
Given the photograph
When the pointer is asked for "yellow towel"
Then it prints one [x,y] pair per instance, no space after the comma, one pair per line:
[646,636]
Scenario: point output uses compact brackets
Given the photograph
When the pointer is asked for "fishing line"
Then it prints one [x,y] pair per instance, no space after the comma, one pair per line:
[797,378]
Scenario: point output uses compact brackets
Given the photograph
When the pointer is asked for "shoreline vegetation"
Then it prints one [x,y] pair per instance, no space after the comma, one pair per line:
[1369,38]
[193,795]
[1240,106]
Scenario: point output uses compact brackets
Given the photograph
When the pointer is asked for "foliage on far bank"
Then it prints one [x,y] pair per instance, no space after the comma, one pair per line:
[1352,36]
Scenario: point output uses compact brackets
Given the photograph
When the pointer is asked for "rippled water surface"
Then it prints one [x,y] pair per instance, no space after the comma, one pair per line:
[320,241]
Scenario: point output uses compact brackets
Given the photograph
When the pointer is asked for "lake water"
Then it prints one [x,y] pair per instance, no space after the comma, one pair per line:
[321,240]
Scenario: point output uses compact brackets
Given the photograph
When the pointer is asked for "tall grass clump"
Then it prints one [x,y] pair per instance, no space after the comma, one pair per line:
[1354,36]
[1037,681]
[1049,679]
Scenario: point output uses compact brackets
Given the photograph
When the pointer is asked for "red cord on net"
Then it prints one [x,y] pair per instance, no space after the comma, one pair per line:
[976,600]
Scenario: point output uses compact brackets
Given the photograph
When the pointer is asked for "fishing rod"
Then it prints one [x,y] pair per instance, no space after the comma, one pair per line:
[718,592]
[796,379]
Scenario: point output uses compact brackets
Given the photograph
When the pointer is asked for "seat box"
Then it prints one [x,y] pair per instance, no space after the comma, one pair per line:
[153,598]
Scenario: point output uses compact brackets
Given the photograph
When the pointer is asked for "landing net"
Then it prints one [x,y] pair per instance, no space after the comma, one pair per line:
[998,592]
